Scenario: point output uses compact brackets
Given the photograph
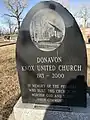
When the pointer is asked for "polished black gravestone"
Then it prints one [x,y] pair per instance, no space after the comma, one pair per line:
[51,57]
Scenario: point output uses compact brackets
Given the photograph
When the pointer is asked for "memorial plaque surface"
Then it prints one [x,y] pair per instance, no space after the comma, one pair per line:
[51,57]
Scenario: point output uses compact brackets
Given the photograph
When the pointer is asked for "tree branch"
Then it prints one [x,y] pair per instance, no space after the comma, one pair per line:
[10,15]
[16,8]
[21,11]
[11,8]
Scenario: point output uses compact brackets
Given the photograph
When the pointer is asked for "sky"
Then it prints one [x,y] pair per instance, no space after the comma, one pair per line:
[74,6]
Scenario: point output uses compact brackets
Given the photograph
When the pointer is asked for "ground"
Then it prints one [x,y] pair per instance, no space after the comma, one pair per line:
[9,85]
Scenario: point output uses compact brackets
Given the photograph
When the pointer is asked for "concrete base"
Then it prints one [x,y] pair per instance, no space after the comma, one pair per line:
[28,111]
[11,117]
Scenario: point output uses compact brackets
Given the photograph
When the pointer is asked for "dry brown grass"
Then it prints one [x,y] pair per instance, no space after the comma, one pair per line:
[88,74]
[9,86]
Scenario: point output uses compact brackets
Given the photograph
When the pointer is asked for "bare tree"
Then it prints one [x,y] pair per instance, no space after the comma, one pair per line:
[84,13]
[9,24]
[15,8]
[0,32]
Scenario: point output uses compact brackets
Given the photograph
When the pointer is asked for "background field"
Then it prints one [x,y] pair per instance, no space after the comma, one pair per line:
[9,86]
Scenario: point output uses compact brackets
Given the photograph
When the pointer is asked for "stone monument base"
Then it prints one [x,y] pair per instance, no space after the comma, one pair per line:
[23,111]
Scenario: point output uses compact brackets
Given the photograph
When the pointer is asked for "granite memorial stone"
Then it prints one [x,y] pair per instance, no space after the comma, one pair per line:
[51,57]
